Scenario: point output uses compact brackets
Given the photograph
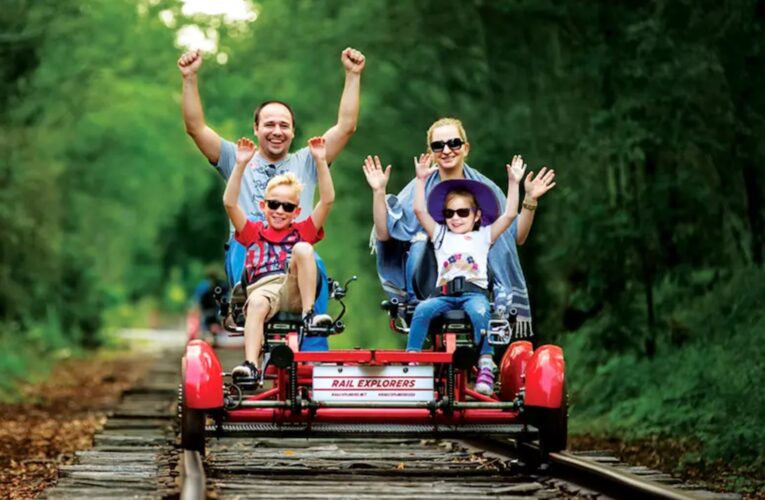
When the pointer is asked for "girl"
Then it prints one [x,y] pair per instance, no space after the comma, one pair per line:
[462,220]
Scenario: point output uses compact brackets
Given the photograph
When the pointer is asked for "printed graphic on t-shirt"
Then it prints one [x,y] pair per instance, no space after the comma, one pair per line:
[462,255]
[269,250]
[264,257]
[459,265]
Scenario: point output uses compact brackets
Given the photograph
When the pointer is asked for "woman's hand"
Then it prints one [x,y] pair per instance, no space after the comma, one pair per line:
[539,185]
[422,167]
[377,178]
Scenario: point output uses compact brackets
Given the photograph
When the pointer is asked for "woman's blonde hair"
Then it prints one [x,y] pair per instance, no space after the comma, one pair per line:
[287,179]
[442,122]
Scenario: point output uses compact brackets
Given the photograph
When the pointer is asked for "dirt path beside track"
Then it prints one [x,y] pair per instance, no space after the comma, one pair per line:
[60,416]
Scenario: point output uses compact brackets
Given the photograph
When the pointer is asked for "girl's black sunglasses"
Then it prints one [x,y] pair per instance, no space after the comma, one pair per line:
[274,205]
[462,212]
[454,144]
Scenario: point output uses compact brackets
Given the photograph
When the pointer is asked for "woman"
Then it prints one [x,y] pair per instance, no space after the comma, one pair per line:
[399,238]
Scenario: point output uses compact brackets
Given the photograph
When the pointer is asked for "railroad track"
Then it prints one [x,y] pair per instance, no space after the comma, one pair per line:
[137,456]
[417,469]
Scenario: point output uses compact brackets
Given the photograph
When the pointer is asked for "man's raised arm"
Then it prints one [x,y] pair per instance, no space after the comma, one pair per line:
[347,117]
[206,139]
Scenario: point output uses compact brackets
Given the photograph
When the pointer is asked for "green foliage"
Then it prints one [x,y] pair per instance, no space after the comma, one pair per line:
[702,383]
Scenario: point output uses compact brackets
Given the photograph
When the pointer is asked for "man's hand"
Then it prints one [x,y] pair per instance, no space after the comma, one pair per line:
[190,62]
[318,149]
[353,60]
[245,150]
[515,170]
[376,176]
[422,167]
[539,185]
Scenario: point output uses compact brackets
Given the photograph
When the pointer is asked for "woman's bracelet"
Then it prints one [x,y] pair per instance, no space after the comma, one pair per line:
[529,206]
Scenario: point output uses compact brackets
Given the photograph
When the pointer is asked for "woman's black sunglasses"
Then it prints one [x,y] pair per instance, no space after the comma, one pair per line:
[462,212]
[287,206]
[454,144]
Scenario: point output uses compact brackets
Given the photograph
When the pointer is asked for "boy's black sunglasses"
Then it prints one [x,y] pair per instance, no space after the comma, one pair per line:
[287,206]
[462,212]
[454,144]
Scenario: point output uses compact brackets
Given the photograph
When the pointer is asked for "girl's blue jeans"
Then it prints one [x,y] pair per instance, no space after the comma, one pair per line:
[475,305]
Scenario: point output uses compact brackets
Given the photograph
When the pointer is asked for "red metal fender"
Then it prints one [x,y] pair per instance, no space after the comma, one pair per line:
[203,377]
[512,368]
[545,375]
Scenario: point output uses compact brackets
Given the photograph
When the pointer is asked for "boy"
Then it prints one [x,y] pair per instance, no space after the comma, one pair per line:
[279,265]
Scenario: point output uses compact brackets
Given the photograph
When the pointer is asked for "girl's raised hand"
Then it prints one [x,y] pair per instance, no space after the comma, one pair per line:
[515,170]
[376,176]
[423,167]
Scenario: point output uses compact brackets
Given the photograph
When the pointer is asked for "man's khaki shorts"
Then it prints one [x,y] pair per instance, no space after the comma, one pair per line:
[281,291]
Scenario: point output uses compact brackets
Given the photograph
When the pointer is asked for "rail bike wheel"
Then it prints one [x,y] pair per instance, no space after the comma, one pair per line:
[192,428]
[552,424]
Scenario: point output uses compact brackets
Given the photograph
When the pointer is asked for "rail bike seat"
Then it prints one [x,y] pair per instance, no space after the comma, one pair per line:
[283,322]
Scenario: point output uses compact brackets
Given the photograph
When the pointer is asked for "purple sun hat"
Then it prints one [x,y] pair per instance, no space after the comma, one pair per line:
[484,197]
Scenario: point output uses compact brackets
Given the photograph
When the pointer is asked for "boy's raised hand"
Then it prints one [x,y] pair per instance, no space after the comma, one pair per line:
[376,176]
[245,150]
[422,167]
[353,60]
[190,62]
[539,185]
[318,149]
[515,170]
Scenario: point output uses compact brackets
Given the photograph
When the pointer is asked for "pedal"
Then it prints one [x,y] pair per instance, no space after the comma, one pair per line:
[499,332]
[318,331]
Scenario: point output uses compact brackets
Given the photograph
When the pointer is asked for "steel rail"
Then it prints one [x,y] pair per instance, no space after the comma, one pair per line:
[623,480]
[582,471]
[192,476]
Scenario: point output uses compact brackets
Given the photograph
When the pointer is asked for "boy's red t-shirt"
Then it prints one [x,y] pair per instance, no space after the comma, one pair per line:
[268,249]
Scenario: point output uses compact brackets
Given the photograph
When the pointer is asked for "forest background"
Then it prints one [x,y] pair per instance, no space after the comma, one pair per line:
[645,262]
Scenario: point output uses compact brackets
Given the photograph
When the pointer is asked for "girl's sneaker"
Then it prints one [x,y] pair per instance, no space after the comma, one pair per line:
[484,382]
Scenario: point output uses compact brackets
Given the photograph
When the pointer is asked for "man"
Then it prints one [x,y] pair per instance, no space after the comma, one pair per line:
[274,127]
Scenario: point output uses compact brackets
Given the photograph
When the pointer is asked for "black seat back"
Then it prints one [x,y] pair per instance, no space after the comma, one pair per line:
[425,273]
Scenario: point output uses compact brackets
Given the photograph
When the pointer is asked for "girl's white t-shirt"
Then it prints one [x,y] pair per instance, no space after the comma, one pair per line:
[462,255]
